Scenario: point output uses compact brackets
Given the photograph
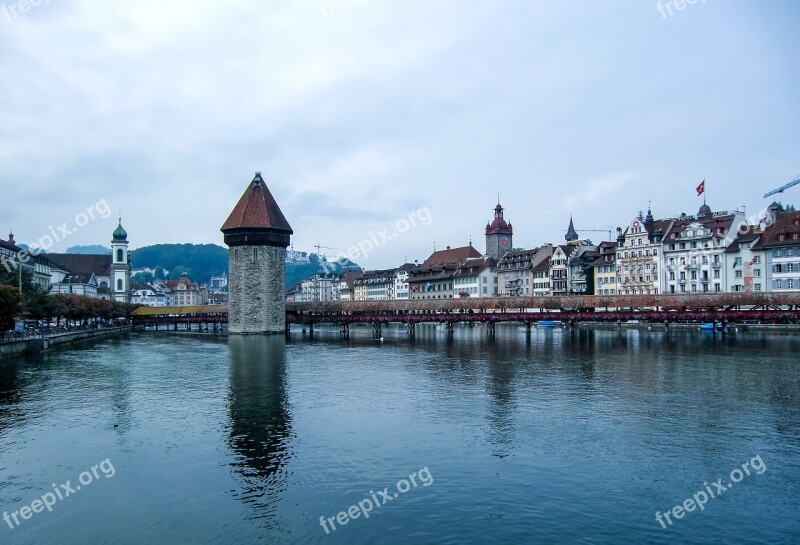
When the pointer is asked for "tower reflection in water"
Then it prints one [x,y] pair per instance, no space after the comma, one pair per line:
[260,423]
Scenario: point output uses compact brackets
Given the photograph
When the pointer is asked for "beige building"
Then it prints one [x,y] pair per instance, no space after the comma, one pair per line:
[605,269]
[639,255]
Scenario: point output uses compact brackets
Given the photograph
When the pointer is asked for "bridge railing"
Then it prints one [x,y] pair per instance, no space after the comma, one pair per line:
[557,303]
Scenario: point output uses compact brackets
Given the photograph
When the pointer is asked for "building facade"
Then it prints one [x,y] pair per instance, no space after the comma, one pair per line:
[515,273]
[605,269]
[639,255]
[694,250]
[540,267]
[434,278]
[581,268]
[780,244]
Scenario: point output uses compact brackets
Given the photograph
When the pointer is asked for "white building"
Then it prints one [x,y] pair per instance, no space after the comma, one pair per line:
[694,251]
[151,295]
[559,269]
[744,265]
[319,287]
[76,284]
[401,289]
[639,255]
[540,267]
[218,283]
[184,292]
[476,277]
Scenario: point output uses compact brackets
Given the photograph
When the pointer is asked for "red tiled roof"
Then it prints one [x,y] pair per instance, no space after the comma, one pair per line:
[453,255]
[713,224]
[601,260]
[786,224]
[257,209]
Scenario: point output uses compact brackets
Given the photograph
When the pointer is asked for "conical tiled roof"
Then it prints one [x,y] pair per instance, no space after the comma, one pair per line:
[571,233]
[257,209]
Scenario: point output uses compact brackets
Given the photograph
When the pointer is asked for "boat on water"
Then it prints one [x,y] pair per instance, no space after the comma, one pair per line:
[548,323]
[710,327]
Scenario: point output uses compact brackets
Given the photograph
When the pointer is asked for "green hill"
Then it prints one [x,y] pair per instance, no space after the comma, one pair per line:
[202,261]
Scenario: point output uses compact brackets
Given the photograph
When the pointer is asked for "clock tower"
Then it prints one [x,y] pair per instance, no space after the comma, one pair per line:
[498,234]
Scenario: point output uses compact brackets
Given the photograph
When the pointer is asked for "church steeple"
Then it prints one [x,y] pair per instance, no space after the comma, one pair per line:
[120,289]
[571,233]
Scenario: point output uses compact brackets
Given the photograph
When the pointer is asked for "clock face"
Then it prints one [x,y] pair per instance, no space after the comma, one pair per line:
[504,242]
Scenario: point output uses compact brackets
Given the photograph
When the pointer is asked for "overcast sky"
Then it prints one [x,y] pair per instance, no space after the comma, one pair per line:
[360,112]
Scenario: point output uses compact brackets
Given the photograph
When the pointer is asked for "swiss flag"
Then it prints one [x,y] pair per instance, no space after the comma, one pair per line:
[701,188]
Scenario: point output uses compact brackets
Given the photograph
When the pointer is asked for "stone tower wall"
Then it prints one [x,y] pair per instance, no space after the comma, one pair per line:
[256,290]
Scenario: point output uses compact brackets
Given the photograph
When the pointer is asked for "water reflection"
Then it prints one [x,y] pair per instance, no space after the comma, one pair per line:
[260,421]
[11,386]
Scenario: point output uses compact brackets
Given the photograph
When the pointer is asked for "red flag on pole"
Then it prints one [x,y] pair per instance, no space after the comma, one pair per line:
[701,188]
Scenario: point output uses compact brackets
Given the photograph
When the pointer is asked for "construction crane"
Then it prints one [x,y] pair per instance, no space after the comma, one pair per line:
[317,246]
[609,230]
[782,189]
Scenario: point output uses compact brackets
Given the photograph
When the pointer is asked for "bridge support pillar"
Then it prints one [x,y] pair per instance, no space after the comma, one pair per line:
[412,329]
[449,327]
[344,330]
[376,330]
[490,329]
[528,327]
[176,326]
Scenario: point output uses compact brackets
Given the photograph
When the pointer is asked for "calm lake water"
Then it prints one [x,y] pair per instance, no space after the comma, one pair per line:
[564,438]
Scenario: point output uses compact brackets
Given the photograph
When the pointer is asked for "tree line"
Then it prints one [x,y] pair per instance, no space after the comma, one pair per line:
[34,303]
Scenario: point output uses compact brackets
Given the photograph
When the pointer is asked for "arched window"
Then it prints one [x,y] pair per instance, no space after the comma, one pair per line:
[119,284]
[119,255]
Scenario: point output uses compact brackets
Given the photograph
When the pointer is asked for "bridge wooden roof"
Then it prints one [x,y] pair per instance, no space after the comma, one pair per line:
[180,311]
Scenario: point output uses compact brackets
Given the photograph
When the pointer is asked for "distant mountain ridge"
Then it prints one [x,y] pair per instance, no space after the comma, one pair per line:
[94,249]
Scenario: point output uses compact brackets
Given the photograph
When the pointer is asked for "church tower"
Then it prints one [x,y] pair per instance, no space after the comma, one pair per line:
[571,235]
[498,234]
[257,235]
[120,266]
